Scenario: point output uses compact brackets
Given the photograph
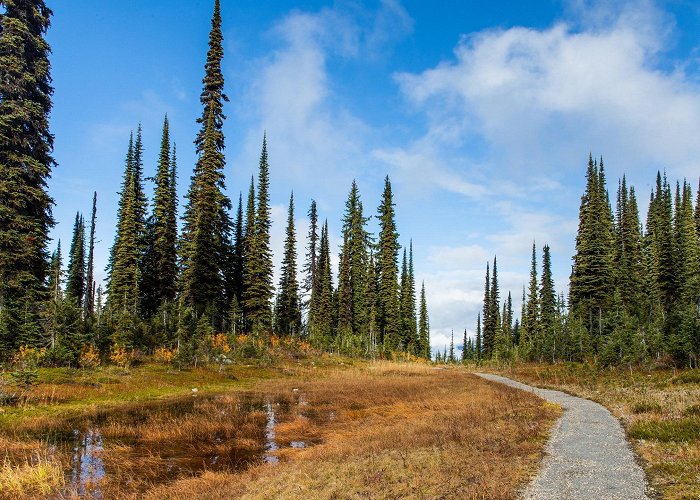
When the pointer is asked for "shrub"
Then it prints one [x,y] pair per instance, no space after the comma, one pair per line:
[165,355]
[646,407]
[684,430]
[687,377]
[89,358]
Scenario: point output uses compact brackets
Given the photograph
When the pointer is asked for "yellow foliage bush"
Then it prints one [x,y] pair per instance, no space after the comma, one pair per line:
[89,358]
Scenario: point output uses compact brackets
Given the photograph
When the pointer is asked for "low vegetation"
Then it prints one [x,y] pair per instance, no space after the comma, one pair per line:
[342,428]
[657,406]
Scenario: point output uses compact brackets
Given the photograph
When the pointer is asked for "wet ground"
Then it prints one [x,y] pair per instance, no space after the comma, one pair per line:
[132,450]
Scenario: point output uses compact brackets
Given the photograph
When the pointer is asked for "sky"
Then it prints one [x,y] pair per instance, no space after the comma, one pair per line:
[483,114]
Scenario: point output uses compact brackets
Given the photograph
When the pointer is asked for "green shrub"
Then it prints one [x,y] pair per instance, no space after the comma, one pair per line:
[687,377]
[646,407]
[684,430]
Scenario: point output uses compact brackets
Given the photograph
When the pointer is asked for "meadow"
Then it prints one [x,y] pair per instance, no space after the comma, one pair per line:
[312,426]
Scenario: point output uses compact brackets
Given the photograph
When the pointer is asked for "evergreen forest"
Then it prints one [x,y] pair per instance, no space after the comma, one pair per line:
[186,283]
[634,289]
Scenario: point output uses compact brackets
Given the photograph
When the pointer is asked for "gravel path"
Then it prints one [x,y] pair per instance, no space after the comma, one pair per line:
[587,455]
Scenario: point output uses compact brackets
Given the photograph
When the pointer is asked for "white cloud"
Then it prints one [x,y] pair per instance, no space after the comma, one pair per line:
[547,97]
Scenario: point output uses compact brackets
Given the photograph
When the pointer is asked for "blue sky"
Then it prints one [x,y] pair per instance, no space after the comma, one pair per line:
[482,113]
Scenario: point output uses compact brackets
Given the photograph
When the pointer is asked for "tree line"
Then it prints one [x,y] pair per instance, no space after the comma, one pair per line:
[179,289]
[634,289]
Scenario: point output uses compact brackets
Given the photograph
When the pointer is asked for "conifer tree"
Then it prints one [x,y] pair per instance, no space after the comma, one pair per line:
[631,265]
[163,229]
[288,312]
[203,245]
[123,270]
[548,304]
[207,228]
[372,307]
[239,251]
[257,300]
[90,272]
[140,201]
[356,241]
[451,357]
[75,285]
[213,96]
[56,274]
[531,308]
[387,256]
[493,320]
[478,347]
[321,319]
[486,308]
[661,268]
[592,274]
[26,162]
[697,210]
[55,293]
[465,348]
[409,304]
[311,276]
[404,332]
[424,325]
[248,237]
[344,306]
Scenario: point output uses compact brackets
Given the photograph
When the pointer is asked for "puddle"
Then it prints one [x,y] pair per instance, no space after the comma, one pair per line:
[270,444]
[129,451]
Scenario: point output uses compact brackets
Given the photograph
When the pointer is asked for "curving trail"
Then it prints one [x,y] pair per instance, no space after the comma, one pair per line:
[587,456]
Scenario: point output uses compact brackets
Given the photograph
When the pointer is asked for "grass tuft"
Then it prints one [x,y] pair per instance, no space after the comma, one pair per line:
[687,377]
[684,430]
[40,476]
[646,407]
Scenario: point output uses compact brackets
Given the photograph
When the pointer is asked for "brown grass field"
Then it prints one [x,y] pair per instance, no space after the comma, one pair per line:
[369,430]
[659,409]
[398,431]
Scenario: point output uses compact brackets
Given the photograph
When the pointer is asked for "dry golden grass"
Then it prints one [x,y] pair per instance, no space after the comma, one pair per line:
[36,476]
[392,431]
[656,407]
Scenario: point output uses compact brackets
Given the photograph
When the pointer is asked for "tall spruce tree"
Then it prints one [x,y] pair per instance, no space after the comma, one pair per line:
[356,241]
[387,256]
[465,348]
[424,325]
[404,330]
[478,341]
[203,245]
[163,229]
[548,305]
[311,276]
[123,270]
[257,300]
[239,251]
[26,162]
[409,304]
[213,96]
[592,276]
[206,285]
[492,321]
[531,309]
[321,314]
[75,284]
[288,311]
[486,307]
[90,271]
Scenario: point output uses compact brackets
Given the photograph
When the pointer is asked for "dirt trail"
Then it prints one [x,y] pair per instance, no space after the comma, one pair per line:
[587,456]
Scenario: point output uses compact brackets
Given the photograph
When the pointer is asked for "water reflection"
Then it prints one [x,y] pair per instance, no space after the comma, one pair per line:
[87,465]
[115,452]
